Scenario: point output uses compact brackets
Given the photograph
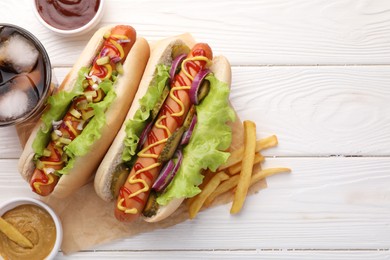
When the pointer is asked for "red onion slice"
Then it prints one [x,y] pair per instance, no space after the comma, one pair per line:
[144,134]
[179,156]
[187,134]
[164,176]
[196,84]
[104,52]
[176,63]
[168,172]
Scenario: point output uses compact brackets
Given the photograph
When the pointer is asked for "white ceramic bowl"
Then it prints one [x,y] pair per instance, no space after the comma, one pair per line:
[73,32]
[10,204]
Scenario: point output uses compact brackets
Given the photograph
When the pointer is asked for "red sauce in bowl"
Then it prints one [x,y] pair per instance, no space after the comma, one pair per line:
[67,14]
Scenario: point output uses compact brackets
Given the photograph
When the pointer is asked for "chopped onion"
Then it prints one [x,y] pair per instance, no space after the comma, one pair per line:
[144,134]
[116,59]
[187,134]
[176,63]
[123,40]
[96,79]
[95,86]
[48,171]
[80,126]
[56,123]
[168,172]
[58,132]
[196,84]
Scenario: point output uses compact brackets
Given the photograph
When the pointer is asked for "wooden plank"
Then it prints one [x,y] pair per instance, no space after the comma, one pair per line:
[233,254]
[12,184]
[325,203]
[317,111]
[314,111]
[9,143]
[247,32]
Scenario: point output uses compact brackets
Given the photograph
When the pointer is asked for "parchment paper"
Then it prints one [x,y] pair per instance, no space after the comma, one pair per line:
[89,221]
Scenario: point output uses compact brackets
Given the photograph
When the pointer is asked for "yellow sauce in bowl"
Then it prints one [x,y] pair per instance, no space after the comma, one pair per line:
[34,223]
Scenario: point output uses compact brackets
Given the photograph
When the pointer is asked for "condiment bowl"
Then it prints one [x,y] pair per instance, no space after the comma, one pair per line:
[13,203]
[71,32]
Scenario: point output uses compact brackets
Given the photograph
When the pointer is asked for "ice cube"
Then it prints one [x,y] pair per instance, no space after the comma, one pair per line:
[13,104]
[18,53]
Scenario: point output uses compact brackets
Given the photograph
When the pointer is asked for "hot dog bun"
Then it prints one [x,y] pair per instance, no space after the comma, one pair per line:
[125,89]
[160,54]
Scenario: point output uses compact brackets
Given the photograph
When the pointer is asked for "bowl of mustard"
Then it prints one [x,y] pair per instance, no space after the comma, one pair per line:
[36,222]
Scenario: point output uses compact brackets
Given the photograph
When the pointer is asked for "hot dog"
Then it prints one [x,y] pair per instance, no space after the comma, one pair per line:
[165,144]
[82,118]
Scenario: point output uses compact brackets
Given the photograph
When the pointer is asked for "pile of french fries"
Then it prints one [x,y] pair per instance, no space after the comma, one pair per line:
[237,174]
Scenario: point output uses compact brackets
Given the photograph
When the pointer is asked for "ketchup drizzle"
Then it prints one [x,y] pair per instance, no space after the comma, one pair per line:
[152,138]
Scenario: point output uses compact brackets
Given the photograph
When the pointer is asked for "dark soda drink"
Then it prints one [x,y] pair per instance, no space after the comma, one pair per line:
[25,75]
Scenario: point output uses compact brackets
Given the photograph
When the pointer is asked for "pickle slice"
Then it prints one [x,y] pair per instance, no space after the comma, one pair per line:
[171,145]
[179,50]
[151,206]
[203,90]
[156,109]
[190,115]
[118,179]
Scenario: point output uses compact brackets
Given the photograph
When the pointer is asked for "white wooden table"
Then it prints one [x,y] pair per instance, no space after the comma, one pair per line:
[316,74]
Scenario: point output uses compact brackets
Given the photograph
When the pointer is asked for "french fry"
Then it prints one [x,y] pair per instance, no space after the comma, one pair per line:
[197,202]
[233,181]
[13,234]
[237,155]
[222,188]
[247,165]
[266,173]
[208,175]
[266,143]
[234,169]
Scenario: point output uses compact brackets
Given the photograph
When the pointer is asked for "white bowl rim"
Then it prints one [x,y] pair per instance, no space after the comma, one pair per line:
[12,203]
[76,31]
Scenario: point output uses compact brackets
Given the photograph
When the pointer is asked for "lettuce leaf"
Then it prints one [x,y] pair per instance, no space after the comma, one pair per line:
[211,137]
[58,105]
[135,126]
[81,145]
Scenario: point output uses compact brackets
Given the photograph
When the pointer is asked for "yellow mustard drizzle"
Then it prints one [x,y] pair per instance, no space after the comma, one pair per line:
[120,36]
[109,71]
[119,47]
[71,128]
[143,153]
[161,126]
[38,184]
[181,112]
[196,58]
[51,163]
[132,180]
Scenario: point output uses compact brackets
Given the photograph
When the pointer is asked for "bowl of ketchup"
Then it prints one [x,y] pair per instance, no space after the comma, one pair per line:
[69,17]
